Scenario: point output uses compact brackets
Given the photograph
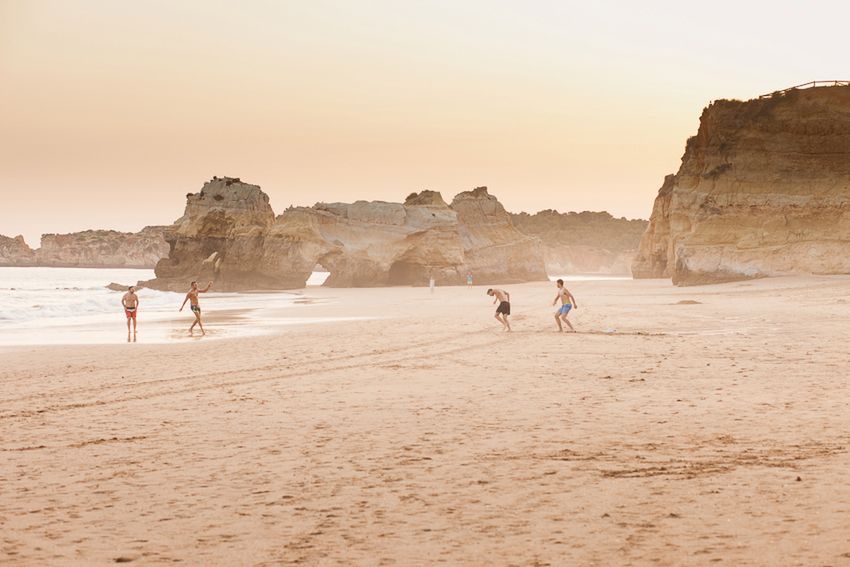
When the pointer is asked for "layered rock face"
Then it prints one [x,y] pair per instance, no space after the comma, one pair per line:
[103,249]
[219,237]
[88,249]
[371,243]
[494,250]
[584,243]
[15,252]
[229,234]
[763,189]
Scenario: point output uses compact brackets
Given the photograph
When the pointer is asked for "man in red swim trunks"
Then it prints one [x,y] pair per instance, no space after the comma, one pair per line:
[130,301]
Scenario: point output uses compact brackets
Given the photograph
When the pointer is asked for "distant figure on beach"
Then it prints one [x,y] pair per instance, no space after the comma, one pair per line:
[567,303]
[130,301]
[504,308]
[192,297]
[469,278]
[431,282]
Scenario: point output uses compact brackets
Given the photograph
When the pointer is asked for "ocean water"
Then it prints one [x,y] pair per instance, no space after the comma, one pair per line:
[73,306]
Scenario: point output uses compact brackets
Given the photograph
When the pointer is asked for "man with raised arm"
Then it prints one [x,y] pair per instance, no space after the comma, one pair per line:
[192,297]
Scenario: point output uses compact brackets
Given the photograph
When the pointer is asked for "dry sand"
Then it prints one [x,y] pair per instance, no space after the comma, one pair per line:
[697,433]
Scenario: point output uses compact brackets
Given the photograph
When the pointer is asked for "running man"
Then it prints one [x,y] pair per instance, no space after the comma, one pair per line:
[567,303]
[192,297]
[469,278]
[504,308]
[130,302]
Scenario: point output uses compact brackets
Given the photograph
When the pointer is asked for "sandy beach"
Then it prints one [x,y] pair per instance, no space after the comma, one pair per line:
[682,426]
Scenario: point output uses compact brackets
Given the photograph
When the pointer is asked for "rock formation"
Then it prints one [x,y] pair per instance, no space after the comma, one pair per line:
[371,243]
[763,189]
[229,234]
[494,250]
[103,249]
[88,249]
[15,252]
[584,243]
[220,237]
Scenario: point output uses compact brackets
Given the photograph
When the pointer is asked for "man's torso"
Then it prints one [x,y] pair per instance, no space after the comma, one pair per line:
[130,300]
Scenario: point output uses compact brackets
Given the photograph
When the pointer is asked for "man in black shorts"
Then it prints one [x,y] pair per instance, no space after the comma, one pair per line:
[504,308]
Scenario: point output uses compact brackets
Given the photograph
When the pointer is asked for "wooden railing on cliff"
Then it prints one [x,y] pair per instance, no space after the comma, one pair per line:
[810,84]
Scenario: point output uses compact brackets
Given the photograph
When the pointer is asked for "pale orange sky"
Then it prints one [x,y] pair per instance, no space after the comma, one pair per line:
[111,111]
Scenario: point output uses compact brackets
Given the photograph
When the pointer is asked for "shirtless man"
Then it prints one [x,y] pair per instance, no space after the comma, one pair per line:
[192,297]
[130,302]
[567,302]
[504,308]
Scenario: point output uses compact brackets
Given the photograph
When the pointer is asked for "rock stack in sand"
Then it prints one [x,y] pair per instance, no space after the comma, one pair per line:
[763,189]
[229,234]
[220,237]
[584,243]
[495,251]
[371,243]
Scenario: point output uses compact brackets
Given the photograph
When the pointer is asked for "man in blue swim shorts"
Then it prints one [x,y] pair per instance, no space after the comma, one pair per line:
[568,302]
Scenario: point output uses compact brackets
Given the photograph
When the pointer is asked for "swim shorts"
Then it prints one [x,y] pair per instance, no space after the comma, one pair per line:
[196,308]
[130,312]
[565,308]
[504,307]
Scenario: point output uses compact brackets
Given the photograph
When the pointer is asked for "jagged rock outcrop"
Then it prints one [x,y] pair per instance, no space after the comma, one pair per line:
[15,252]
[229,234]
[494,250]
[103,249]
[220,237]
[763,189]
[371,243]
[584,243]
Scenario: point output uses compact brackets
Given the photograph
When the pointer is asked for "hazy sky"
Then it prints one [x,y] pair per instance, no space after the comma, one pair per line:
[111,111]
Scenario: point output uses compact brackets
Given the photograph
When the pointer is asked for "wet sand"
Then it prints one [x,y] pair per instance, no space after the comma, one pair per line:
[694,426]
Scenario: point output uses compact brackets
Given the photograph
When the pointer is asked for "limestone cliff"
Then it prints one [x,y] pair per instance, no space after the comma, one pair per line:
[15,252]
[88,249]
[584,243]
[494,250]
[229,234]
[371,243]
[219,237]
[103,249]
[763,189]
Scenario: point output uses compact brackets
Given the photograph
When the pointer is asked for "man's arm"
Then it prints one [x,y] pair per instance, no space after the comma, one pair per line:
[557,297]
[184,302]
[572,300]
[206,289]
[508,295]
[124,301]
